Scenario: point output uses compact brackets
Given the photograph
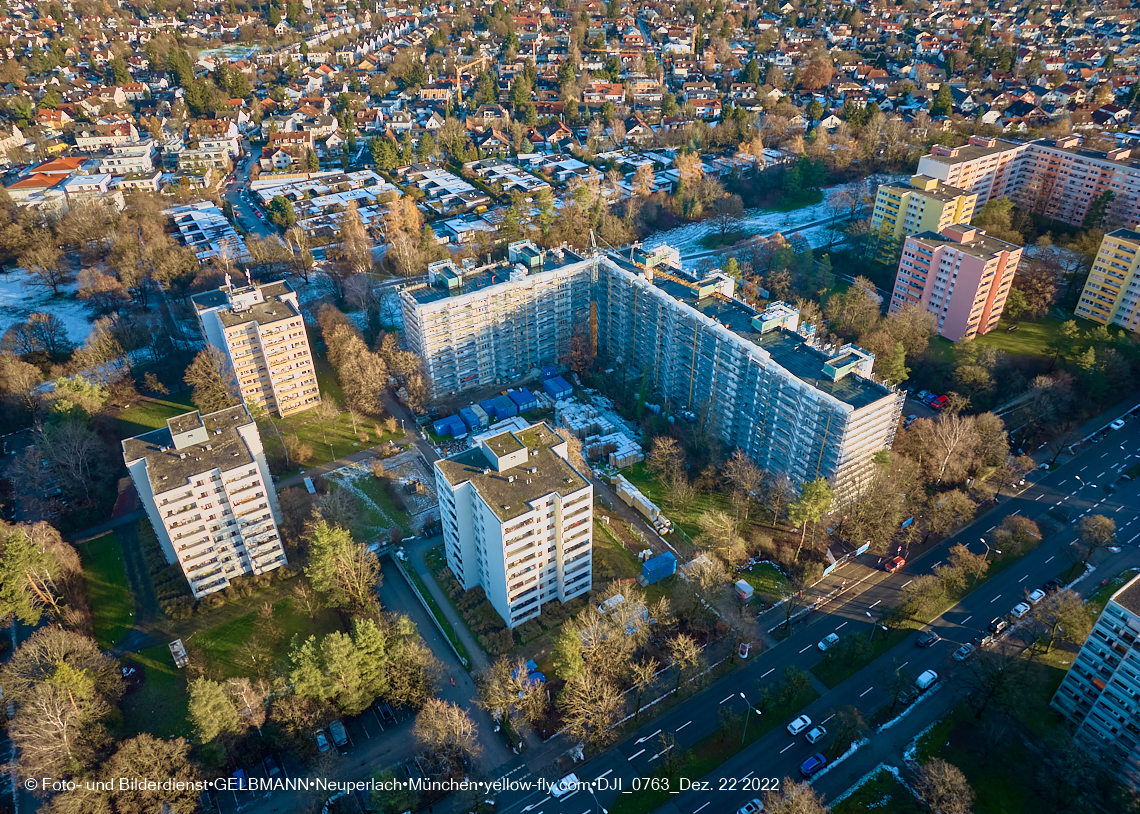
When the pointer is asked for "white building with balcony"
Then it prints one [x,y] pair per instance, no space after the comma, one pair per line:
[206,488]
[518,521]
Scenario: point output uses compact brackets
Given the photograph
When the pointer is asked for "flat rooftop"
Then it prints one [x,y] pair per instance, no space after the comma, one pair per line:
[1125,234]
[171,468]
[262,313]
[787,348]
[972,152]
[509,499]
[942,193]
[1129,596]
[487,277]
[980,245]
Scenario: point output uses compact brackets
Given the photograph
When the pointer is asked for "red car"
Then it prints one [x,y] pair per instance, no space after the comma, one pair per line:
[893,564]
[939,402]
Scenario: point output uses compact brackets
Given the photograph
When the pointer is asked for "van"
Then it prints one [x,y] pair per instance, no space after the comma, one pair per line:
[926,679]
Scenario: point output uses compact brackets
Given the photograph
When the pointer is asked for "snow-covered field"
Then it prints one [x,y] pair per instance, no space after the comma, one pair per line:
[17,301]
[687,239]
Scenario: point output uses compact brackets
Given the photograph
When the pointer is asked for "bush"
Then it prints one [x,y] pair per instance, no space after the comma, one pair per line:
[528,631]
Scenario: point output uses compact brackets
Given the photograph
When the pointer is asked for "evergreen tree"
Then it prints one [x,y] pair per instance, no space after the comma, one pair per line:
[943,101]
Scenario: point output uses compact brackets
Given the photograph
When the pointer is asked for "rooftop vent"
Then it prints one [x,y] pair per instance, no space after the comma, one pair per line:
[181,456]
[511,479]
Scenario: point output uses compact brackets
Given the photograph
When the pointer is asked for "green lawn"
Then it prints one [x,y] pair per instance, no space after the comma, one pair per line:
[378,514]
[437,612]
[151,414]
[1099,598]
[882,791]
[835,673]
[685,520]
[108,592]
[159,705]
[612,560]
[765,579]
[328,440]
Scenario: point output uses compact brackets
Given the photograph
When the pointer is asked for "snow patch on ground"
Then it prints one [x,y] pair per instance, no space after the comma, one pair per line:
[852,749]
[910,754]
[687,239]
[18,301]
[909,709]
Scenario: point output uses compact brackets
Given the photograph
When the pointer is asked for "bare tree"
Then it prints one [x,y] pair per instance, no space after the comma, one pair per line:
[1094,532]
[644,673]
[944,788]
[447,733]
[685,653]
[795,798]
[592,707]
[996,676]
[46,267]
[746,479]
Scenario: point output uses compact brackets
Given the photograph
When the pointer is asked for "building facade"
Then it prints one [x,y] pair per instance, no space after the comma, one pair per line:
[1056,178]
[1100,695]
[960,275]
[517,520]
[1112,292]
[260,330]
[926,205]
[206,488]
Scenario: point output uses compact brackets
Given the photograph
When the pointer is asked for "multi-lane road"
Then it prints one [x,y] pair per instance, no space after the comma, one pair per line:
[1077,487]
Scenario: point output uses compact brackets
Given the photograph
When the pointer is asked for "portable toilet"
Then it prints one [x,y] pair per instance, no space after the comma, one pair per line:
[743,590]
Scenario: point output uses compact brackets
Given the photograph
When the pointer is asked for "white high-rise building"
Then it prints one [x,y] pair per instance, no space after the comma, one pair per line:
[517,520]
[206,488]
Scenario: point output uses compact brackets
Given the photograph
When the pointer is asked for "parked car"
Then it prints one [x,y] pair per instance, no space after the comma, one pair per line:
[1020,609]
[928,638]
[910,419]
[1054,585]
[940,402]
[339,733]
[964,652]
[271,766]
[982,640]
[927,678]
[893,564]
[813,764]
[828,641]
[923,395]
[1118,424]
[816,734]
[998,625]
[930,399]
[799,725]
[1035,596]
[753,806]
[564,786]
[321,741]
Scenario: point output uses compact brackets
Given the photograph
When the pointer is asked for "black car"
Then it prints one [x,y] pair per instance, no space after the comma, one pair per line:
[1053,585]
[998,625]
[928,638]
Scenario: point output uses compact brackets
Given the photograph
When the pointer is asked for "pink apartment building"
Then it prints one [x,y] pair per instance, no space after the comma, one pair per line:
[960,275]
[1052,177]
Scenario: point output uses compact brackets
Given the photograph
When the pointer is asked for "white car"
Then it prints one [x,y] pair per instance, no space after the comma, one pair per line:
[1035,596]
[816,734]
[1020,609]
[753,806]
[828,641]
[1118,424]
[564,786]
[799,725]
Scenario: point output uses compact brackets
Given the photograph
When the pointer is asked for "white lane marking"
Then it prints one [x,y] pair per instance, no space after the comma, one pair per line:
[1023,579]
[1039,497]
[865,691]
[1083,468]
[729,698]
[877,601]
[663,751]
[1062,483]
[1059,502]
[568,796]
[937,564]
[749,774]
[1105,455]
[841,626]
[786,748]
[802,651]
[1138,535]
[1017,511]
[603,774]
[1072,494]
[768,673]
[995,599]
[968,618]
[1051,558]
[908,582]
[706,805]
[828,718]
[904,664]
[991,528]
[635,754]
[1102,474]
[1118,508]
[682,726]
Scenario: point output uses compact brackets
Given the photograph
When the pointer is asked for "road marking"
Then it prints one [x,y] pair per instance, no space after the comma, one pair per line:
[706,805]
[1051,558]
[658,732]
[1017,511]
[1138,535]
[734,694]
[865,691]
[1102,474]
[1105,455]
[568,796]
[908,582]
[1059,502]
[877,601]
[659,754]
[635,754]
[768,673]
[682,726]
[1039,497]
[828,718]
[937,564]
[1062,483]
[1118,508]
[603,774]
[1083,468]
[1072,494]
[841,626]
[904,664]
[991,528]
[1023,579]
[749,774]
[995,599]
[786,748]
[802,651]
[968,618]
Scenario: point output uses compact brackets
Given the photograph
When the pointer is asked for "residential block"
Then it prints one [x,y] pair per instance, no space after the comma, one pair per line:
[1112,291]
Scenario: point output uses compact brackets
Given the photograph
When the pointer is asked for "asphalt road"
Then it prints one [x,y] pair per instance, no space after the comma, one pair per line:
[246,214]
[778,754]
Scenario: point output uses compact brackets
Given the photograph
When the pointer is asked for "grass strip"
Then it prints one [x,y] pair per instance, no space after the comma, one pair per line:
[437,612]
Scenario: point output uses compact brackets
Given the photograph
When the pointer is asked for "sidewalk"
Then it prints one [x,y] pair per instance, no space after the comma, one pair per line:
[91,532]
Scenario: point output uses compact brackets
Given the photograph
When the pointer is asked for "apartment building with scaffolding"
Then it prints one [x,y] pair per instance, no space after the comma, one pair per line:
[1111,295]
[481,325]
[518,521]
[260,330]
[759,380]
[1100,694]
[1056,178]
[206,488]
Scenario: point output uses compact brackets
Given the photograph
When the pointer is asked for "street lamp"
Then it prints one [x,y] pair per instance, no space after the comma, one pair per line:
[987,556]
[874,624]
[600,808]
[746,717]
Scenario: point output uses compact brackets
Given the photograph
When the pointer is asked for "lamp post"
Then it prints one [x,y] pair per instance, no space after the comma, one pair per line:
[600,808]
[987,556]
[874,625]
[747,715]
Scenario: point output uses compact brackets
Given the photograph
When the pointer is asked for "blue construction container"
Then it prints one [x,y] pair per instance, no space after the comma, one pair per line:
[504,408]
[661,566]
[488,406]
[442,426]
[524,399]
[458,428]
[557,388]
[470,418]
[549,372]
